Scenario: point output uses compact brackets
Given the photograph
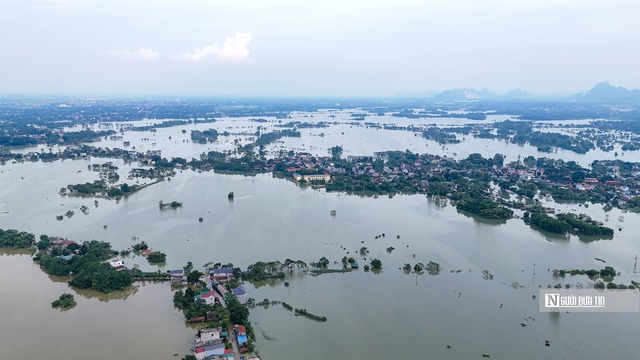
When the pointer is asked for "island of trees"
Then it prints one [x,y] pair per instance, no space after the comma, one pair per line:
[568,223]
[64,302]
[11,238]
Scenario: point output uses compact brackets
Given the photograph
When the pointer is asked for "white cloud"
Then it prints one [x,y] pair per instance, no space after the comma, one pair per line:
[234,49]
[142,54]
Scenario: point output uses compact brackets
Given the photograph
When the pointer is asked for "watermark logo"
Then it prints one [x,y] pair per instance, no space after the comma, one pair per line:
[589,300]
[571,301]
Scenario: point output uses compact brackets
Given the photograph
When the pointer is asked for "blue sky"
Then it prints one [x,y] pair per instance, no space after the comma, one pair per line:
[319,48]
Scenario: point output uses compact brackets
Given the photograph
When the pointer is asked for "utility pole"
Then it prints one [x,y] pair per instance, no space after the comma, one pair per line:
[635,265]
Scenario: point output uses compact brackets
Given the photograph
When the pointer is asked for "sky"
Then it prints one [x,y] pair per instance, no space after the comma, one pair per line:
[315,48]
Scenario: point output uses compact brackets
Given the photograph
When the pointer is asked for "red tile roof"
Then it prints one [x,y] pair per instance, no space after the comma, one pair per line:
[208,294]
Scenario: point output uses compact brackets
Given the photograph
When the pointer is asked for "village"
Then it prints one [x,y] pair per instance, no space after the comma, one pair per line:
[218,293]
[215,299]
[611,182]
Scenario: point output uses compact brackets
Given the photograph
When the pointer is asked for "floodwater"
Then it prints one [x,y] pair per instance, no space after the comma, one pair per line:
[138,324]
[370,315]
[356,137]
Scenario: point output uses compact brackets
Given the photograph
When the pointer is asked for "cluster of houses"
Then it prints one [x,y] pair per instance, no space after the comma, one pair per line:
[620,187]
[218,292]
[60,243]
[220,276]
[210,342]
[358,165]
[71,251]
[419,167]
[210,345]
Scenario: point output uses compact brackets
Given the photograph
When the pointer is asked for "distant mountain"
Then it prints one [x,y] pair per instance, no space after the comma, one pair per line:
[606,94]
[416,94]
[465,94]
[517,94]
[482,94]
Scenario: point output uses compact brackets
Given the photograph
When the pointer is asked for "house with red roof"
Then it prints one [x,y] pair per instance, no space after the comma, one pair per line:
[198,352]
[209,297]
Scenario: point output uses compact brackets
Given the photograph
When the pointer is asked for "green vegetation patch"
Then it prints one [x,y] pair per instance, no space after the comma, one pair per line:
[156,257]
[65,301]
[486,208]
[87,266]
[607,273]
[15,239]
[329,271]
[567,223]
[308,315]
[583,225]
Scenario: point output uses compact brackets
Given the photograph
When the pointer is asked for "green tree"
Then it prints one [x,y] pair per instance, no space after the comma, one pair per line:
[194,276]
[15,239]
[376,264]
[44,242]
[237,273]
[156,257]
[238,314]
[101,276]
[323,262]
[336,151]
[406,268]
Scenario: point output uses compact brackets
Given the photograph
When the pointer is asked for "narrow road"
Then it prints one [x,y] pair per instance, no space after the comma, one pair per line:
[234,342]
[232,335]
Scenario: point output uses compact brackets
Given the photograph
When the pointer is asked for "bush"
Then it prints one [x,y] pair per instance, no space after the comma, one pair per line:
[156,257]
[102,277]
[15,239]
[65,301]
[376,264]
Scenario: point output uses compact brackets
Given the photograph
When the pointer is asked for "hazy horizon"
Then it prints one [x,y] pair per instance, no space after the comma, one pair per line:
[285,48]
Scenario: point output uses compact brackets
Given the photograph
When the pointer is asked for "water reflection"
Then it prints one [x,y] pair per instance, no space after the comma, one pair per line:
[592,238]
[114,295]
[273,219]
[59,279]
[269,283]
[482,220]
[145,326]
[13,252]
[554,316]
[439,201]
[550,236]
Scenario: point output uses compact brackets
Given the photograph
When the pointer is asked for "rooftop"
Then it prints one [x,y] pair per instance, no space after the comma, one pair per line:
[208,331]
[221,271]
[238,291]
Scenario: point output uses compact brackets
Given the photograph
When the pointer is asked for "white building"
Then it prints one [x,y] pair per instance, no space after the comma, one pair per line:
[117,263]
[240,294]
[315,177]
[208,335]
